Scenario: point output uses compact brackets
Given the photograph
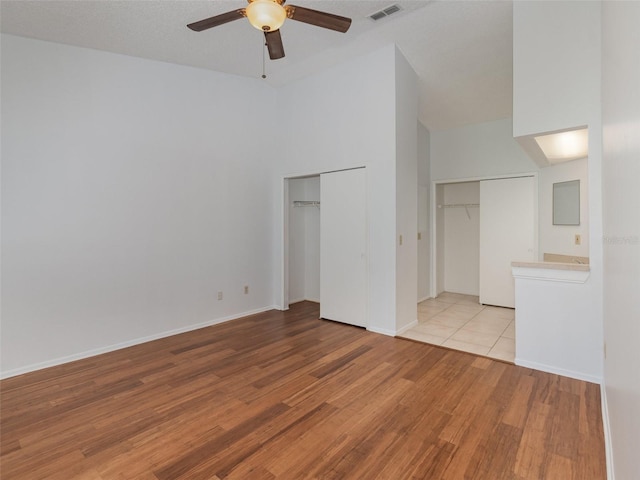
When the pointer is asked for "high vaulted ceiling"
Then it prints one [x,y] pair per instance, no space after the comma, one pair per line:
[461,50]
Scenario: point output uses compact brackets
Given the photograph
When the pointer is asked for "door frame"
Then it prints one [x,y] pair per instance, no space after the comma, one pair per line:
[434,211]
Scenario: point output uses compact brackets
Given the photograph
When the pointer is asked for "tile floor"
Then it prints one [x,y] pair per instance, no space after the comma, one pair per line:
[458,321]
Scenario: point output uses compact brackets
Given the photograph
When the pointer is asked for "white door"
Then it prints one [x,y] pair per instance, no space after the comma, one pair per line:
[507,234]
[343,244]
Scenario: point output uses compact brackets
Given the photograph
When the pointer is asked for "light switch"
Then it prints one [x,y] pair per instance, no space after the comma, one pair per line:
[578,239]
[400,239]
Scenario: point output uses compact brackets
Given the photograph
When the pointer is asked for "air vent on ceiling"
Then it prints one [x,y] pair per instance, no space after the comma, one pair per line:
[385,12]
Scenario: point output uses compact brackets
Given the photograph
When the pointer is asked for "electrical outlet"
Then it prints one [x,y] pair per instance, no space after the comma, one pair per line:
[419,235]
[246,289]
[219,295]
[400,239]
[578,239]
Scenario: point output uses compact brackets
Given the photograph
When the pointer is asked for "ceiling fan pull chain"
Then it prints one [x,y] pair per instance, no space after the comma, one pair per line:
[264,47]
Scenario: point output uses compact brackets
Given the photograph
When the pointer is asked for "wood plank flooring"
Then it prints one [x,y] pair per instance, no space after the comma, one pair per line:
[283,395]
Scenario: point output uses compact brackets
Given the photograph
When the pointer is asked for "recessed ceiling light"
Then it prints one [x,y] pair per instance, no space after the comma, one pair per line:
[565,146]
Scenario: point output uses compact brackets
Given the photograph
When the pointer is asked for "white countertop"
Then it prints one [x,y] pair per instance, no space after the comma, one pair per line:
[553,266]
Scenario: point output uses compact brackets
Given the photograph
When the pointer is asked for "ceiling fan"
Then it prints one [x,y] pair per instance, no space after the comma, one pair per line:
[269,15]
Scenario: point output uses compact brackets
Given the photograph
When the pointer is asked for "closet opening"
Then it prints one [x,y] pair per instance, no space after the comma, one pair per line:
[479,226]
[325,244]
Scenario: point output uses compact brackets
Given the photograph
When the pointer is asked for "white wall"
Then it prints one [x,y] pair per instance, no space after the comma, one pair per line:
[424,214]
[462,239]
[406,193]
[304,241]
[556,50]
[477,151]
[130,197]
[131,194]
[621,174]
[560,238]
[555,69]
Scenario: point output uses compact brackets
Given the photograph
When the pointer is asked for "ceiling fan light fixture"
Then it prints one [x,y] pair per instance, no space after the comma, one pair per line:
[266,15]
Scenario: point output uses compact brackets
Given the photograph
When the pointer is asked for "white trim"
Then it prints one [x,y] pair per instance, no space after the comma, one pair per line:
[420,300]
[407,327]
[608,446]
[291,302]
[558,371]
[284,246]
[382,331]
[137,341]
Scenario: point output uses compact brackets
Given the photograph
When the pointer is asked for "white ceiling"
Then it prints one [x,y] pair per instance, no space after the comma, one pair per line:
[461,50]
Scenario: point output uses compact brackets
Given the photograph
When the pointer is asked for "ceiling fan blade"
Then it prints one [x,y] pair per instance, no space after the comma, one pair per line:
[217,20]
[319,19]
[274,44]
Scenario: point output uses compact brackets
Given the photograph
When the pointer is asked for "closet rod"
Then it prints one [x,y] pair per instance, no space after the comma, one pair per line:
[459,205]
[306,203]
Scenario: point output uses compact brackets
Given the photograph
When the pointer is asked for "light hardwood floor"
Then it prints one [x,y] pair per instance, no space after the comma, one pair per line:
[283,395]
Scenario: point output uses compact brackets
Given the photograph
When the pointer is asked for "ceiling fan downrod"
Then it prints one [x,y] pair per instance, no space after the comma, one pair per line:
[264,47]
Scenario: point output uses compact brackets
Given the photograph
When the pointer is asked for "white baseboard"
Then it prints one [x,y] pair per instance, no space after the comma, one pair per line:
[608,447]
[314,300]
[420,300]
[129,343]
[393,333]
[558,371]
[382,331]
[407,327]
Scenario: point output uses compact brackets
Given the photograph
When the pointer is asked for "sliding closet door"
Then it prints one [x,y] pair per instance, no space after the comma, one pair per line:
[507,234]
[343,246]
